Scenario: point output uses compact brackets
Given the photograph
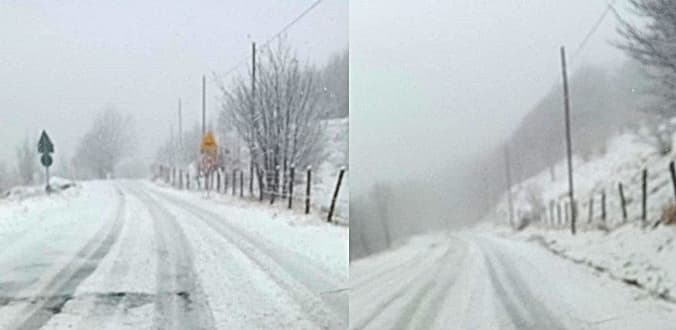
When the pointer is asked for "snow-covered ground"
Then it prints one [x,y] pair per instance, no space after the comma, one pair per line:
[628,252]
[471,280]
[134,255]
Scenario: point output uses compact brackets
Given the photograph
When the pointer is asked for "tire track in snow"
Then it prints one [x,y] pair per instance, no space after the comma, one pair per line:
[379,275]
[515,294]
[180,302]
[104,306]
[306,284]
[62,287]
[442,282]
[418,277]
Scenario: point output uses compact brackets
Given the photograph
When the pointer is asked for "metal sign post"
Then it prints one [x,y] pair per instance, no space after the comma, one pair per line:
[46,147]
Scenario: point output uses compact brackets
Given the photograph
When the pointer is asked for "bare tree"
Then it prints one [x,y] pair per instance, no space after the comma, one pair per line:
[281,124]
[109,140]
[26,162]
[653,44]
[4,177]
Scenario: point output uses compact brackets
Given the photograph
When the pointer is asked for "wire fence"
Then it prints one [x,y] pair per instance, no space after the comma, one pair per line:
[296,190]
[643,198]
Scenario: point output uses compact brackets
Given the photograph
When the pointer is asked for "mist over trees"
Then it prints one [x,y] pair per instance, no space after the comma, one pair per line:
[110,139]
[26,162]
[335,86]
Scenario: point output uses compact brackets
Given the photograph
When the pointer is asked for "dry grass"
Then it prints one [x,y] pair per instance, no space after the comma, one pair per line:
[669,215]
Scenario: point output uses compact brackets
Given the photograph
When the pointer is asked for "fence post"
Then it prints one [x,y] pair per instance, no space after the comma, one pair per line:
[673,176]
[644,201]
[275,187]
[335,193]
[591,209]
[603,206]
[566,205]
[623,203]
[234,181]
[218,180]
[187,179]
[241,183]
[180,179]
[251,178]
[308,181]
[225,181]
[291,179]
[261,188]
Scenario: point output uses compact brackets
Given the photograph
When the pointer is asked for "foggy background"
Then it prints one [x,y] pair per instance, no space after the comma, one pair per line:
[437,87]
[64,62]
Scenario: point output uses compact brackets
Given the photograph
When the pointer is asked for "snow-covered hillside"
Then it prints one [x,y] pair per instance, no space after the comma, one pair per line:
[638,254]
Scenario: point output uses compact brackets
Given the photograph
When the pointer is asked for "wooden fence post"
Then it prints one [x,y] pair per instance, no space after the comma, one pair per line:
[251,178]
[308,181]
[234,181]
[603,206]
[187,180]
[225,181]
[275,187]
[623,203]
[261,182]
[565,212]
[673,176]
[644,201]
[180,179]
[291,180]
[591,209]
[241,183]
[335,194]
[218,180]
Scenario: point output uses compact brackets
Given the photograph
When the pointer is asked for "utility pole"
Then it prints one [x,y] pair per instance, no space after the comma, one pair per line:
[253,106]
[204,105]
[509,187]
[569,148]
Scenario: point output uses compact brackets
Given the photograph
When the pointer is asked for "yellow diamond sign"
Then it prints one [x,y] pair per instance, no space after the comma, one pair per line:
[209,145]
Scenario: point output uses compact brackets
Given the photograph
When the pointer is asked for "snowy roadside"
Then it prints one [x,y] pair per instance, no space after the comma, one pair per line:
[307,235]
[642,258]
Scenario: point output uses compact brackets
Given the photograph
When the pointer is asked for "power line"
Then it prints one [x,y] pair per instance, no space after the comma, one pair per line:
[591,32]
[271,39]
[585,40]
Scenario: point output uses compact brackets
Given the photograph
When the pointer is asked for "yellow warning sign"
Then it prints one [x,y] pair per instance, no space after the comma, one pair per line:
[209,145]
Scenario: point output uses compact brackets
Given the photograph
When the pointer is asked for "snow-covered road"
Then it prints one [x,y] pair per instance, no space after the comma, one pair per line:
[132,255]
[469,281]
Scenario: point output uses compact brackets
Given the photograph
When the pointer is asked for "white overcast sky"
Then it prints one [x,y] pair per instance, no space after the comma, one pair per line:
[63,61]
[433,83]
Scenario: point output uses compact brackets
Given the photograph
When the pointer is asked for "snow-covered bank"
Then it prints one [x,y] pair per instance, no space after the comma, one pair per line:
[308,235]
[629,251]
[644,258]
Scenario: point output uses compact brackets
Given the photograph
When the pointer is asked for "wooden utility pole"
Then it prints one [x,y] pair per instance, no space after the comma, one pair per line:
[510,206]
[569,147]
